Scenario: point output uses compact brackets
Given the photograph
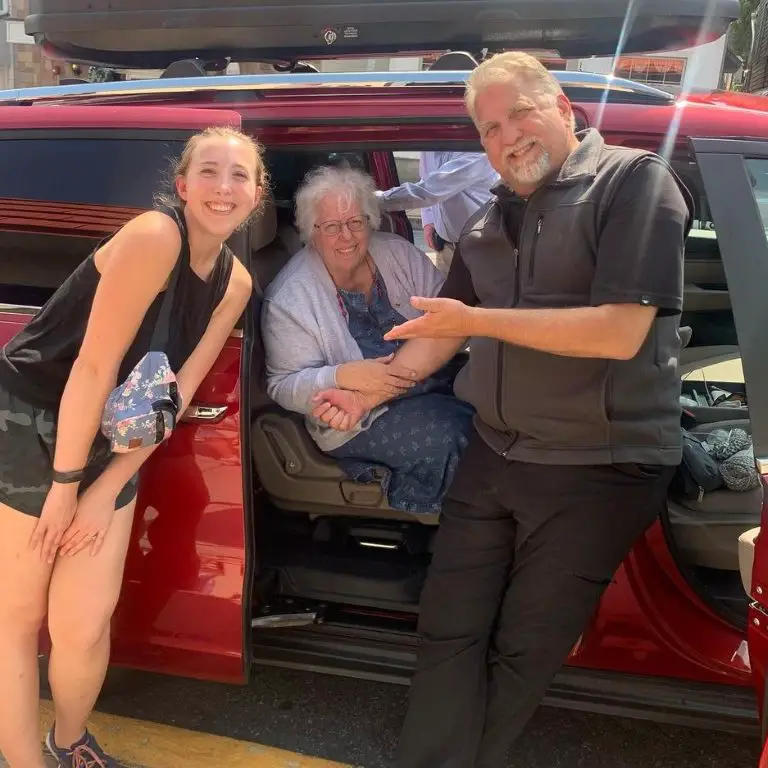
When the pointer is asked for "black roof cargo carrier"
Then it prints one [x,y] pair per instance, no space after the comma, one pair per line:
[155,33]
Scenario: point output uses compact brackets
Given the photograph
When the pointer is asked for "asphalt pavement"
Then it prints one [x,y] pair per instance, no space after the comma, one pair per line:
[356,722]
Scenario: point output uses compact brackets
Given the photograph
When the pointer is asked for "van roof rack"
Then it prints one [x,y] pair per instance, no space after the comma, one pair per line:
[197,67]
[579,86]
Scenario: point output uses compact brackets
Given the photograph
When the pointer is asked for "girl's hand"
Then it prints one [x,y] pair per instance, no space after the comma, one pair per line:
[91,522]
[58,511]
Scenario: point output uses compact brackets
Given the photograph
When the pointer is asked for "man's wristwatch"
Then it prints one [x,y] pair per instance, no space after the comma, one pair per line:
[75,476]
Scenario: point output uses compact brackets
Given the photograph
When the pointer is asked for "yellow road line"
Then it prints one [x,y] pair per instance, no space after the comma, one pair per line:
[148,745]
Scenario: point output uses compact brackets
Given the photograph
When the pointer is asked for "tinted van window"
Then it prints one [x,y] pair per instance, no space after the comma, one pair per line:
[707,308]
[287,169]
[85,167]
[758,172]
[63,191]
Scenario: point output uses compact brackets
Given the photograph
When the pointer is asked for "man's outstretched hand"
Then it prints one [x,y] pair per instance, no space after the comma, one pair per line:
[340,409]
[442,319]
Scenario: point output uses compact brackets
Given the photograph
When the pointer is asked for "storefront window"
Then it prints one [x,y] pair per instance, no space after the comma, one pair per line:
[654,70]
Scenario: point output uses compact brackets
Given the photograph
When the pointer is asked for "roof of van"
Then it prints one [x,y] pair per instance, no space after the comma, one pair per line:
[589,85]
[610,103]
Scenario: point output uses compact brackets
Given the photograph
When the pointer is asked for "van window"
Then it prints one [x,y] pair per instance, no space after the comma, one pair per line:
[758,170]
[732,370]
[706,301]
[287,169]
[85,167]
[63,191]
[35,264]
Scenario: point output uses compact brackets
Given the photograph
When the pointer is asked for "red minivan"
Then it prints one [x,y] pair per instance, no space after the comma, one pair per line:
[250,546]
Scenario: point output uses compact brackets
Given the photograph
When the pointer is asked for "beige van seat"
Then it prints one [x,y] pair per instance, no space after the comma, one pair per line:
[288,235]
[747,542]
[268,254]
[299,477]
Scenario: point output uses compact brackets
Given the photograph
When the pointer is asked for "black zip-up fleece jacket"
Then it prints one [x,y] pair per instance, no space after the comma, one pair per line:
[608,229]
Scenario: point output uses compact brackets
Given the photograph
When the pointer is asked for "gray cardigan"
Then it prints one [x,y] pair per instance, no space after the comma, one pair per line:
[306,338]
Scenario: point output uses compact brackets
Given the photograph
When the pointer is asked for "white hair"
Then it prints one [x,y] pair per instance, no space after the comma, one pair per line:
[348,184]
[512,67]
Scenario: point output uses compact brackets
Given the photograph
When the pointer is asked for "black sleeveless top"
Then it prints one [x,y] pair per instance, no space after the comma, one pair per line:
[35,364]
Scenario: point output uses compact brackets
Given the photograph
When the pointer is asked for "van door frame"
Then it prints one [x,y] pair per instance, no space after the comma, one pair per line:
[743,242]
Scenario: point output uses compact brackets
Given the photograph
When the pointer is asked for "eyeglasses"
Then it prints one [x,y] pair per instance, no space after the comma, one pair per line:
[333,228]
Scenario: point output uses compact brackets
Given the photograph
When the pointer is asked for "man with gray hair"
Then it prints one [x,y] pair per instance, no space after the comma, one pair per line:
[569,284]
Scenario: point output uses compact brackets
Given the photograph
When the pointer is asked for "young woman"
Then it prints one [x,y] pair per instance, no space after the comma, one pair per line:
[66,502]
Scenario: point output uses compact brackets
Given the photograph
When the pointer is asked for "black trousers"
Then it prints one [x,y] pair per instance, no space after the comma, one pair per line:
[522,556]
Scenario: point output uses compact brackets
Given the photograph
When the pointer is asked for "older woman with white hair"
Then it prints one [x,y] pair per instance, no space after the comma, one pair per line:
[324,320]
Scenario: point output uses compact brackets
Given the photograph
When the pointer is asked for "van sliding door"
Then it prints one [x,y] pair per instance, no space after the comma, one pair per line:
[71,175]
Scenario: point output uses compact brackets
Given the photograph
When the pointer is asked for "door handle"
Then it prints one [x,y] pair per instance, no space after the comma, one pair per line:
[204,414]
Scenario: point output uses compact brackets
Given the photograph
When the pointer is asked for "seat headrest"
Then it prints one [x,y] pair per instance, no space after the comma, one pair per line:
[263,228]
[454,60]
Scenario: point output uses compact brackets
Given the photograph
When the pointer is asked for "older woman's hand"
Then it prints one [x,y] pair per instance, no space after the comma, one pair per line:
[340,409]
[379,376]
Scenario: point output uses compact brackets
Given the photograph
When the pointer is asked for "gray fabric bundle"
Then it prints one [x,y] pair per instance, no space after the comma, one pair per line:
[739,471]
[724,443]
[735,457]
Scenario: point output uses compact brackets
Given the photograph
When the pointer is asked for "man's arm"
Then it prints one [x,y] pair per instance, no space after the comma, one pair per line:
[612,331]
[464,170]
[427,217]
[639,274]
[424,356]
[428,212]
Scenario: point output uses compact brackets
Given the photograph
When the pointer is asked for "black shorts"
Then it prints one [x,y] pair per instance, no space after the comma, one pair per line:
[27,442]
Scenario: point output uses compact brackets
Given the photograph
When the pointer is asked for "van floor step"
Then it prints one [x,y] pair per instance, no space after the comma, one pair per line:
[335,579]
[280,613]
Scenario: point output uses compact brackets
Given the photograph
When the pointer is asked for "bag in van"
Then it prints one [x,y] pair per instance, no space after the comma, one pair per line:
[698,472]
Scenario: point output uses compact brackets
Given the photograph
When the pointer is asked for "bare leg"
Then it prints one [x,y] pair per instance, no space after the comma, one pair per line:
[23,584]
[82,598]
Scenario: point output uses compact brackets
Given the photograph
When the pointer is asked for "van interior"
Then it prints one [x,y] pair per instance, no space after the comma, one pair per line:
[337,541]
[326,539]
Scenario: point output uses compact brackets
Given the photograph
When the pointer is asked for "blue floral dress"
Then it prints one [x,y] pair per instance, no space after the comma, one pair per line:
[414,447]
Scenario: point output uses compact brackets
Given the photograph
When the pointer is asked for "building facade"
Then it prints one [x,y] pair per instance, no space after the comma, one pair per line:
[705,67]
[22,64]
[757,79]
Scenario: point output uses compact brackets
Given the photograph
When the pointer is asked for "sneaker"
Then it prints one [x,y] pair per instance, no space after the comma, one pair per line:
[85,753]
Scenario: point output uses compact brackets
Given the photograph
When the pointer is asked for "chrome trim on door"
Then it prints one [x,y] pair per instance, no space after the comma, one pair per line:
[206,413]
[377,544]
[19,309]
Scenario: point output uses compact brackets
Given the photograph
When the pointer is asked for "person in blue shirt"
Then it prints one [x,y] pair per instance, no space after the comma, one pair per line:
[451,187]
